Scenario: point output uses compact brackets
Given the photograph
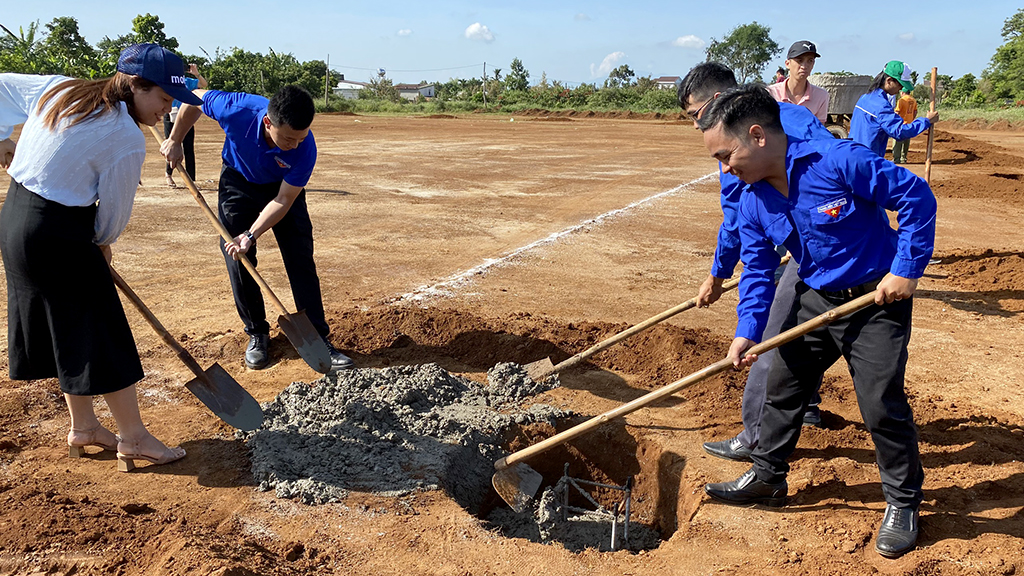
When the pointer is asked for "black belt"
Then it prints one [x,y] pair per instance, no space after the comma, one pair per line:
[851,293]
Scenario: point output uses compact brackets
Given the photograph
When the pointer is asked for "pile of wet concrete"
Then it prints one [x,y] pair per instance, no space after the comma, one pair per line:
[392,431]
[398,430]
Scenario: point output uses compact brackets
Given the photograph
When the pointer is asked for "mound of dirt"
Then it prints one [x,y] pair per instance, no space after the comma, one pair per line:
[984,271]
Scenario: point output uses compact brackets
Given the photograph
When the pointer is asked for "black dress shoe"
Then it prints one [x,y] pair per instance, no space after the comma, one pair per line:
[338,360]
[731,449]
[747,489]
[898,533]
[256,355]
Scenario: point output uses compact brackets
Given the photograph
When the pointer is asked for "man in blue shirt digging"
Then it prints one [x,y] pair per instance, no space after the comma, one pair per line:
[826,202]
[269,154]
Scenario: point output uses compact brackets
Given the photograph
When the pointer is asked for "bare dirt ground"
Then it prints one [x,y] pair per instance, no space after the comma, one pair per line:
[402,207]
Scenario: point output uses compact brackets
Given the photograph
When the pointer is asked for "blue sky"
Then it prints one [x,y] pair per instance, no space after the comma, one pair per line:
[570,41]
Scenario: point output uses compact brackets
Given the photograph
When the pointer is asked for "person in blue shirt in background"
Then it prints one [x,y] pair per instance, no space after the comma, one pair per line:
[874,118]
[188,143]
[703,84]
[826,201]
[269,154]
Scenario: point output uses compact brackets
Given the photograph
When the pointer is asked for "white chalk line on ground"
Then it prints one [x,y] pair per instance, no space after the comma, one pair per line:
[458,280]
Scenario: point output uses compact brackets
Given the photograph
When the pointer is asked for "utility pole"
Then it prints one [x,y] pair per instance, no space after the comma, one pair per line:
[327,80]
[485,85]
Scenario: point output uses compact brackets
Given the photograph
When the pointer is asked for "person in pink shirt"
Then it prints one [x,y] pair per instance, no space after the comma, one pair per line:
[796,89]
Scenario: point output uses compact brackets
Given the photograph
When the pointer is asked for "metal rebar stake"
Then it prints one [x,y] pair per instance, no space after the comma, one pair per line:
[615,525]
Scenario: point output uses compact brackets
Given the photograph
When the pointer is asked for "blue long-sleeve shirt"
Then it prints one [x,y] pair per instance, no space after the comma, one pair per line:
[875,121]
[798,122]
[838,194]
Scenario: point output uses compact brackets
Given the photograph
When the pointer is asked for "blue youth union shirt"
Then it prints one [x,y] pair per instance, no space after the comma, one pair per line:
[874,121]
[191,84]
[797,122]
[245,148]
[839,192]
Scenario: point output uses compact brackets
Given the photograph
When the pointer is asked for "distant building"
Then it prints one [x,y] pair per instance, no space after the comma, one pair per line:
[668,82]
[348,89]
[414,91]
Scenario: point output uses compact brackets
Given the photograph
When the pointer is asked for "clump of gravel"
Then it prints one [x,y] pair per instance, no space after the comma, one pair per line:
[391,431]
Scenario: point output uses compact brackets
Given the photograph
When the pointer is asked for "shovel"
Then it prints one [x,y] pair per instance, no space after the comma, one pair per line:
[296,327]
[214,386]
[516,482]
[541,369]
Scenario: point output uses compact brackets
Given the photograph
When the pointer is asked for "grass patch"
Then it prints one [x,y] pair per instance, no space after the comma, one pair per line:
[987,115]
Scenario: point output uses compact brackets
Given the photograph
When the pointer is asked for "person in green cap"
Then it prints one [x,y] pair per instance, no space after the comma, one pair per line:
[874,119]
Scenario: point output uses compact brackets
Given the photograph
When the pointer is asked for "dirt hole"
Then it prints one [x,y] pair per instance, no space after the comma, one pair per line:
[1007,176]
[610,456]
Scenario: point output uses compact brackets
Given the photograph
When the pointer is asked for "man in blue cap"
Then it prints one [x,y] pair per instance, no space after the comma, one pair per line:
[269,154]
[826,201]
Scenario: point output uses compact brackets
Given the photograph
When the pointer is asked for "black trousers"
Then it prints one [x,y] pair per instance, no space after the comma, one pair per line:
[874,344]
[188,144]
[239,203]
[64,318]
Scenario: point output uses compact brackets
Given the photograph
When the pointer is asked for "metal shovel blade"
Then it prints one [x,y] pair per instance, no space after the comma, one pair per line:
[517,485]
[306,340]
[226,398]
[539,370]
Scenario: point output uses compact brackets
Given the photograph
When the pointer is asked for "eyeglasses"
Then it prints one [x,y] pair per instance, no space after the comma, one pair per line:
[696,113]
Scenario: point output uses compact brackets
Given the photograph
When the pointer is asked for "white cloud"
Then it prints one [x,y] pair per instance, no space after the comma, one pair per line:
[607,65]
[688,41]
[478,31]
[581,17]
[405,32]
[907,37]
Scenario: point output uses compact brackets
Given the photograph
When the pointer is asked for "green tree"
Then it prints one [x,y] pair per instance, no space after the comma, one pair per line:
[963,92]
[746,49]
[621,77]
[145,29]
[518,78]
[68,51]
[645,84]
[1006,69]
[23,52]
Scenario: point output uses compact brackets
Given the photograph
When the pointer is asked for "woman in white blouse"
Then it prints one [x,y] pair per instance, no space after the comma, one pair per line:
[74,173]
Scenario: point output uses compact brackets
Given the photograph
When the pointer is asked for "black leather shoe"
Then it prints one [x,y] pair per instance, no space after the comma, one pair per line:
[731,449]
[338,360]
[898,533]
[747,489]
[812,417]
[256,355]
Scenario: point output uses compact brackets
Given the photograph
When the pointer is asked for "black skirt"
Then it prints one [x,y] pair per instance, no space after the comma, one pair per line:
[64,318]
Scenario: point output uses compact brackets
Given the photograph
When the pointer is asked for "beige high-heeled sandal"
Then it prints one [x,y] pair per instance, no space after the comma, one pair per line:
[126,461]
[77,449]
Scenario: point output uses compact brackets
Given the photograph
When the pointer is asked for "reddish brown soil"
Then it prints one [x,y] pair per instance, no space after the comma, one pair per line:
[400,203]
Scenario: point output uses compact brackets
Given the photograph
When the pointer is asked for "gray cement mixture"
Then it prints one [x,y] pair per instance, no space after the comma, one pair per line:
[392,431]
[398,430]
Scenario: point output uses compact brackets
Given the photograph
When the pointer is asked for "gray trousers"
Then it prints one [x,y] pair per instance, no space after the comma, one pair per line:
[874,343]
[757,378]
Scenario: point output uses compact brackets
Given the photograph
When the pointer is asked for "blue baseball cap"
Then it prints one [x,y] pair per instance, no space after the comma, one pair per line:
[161,67]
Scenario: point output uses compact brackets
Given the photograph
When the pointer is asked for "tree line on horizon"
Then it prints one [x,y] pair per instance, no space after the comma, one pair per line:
[59,48]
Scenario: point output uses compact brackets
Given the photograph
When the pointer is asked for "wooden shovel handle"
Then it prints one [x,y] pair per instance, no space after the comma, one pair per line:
[223,231]
[931,133]
[720,366]
[636,329]
[157,326]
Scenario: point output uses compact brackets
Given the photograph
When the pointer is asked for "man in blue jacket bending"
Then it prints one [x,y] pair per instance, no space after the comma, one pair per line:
[826,202]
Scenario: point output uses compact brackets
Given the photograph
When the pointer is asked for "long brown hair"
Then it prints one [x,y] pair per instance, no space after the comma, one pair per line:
[78,99]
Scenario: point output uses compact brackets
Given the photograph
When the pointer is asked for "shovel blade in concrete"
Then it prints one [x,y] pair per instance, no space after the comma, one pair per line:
[226,398]
[306,340]
[517,485]
[539,370]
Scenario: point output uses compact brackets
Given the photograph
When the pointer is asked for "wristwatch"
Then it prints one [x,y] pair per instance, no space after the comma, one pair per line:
[250,236]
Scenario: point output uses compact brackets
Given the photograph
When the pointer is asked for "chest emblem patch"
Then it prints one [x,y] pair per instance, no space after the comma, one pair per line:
[282,163]
[833,208]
